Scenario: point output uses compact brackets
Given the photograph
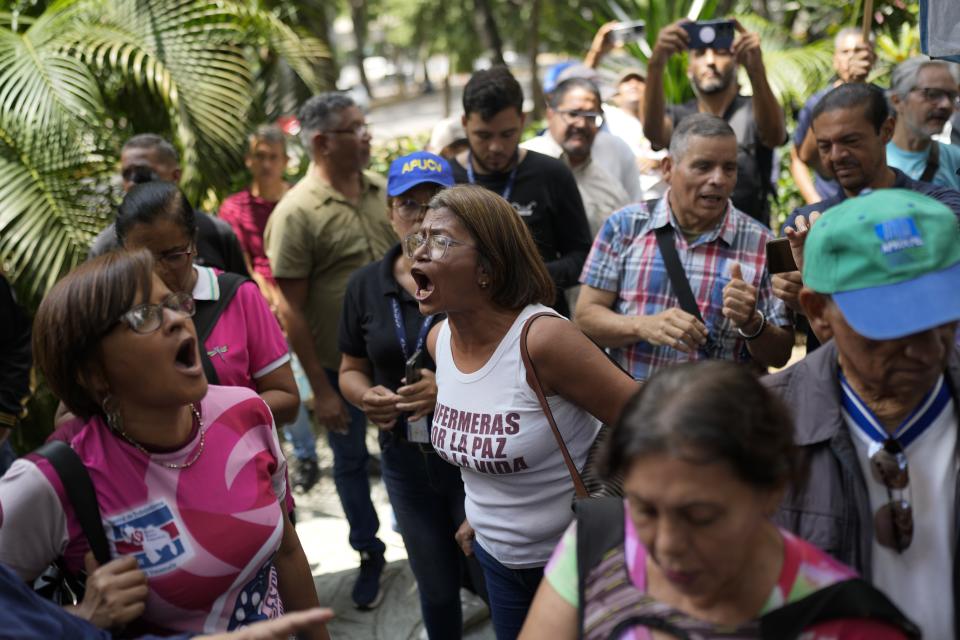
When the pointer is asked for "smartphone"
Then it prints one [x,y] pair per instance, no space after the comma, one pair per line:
[627,32]
[710,34]
[414,365]
[780,257]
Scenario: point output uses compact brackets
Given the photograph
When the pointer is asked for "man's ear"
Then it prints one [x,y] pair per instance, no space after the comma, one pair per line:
[886,129]
[815,307]
[666,168]
[177,174]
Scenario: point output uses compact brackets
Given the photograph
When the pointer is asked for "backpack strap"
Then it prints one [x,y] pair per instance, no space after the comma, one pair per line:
[599,529]
[207,314]
[854,598]
[933,162]
[76,481]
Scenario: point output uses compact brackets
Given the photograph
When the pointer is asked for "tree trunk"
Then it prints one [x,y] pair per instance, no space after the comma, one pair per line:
[358,14]
[538,101]
[490,30]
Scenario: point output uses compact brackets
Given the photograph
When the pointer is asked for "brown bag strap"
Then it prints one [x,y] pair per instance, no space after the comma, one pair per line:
[578,486]
[933,162]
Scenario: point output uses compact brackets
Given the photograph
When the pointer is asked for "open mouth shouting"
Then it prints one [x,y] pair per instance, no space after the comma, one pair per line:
[424,284]
[187,359]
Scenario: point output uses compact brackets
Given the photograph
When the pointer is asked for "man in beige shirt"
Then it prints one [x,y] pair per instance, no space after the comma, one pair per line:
[331,223]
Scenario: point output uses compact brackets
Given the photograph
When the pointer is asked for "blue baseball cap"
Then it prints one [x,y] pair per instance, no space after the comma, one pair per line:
[891,261]
[415,168]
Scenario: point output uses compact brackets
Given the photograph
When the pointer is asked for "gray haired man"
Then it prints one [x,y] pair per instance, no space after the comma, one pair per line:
[330,224]
[924,94]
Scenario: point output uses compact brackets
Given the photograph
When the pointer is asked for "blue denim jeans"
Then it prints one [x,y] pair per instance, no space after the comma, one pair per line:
[299,433]
[511,592]
[350,457]
[427,498]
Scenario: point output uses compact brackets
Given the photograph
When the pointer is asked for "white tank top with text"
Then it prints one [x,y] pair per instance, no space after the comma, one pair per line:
[490,424]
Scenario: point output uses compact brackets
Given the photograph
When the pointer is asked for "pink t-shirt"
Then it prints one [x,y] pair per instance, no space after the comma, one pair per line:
[248,215]
[205,535]
[246,343]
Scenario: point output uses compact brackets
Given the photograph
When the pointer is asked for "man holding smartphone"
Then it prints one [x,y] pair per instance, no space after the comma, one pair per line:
[757,120]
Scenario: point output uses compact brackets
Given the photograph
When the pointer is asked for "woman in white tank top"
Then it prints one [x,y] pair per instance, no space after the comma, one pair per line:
[475,261]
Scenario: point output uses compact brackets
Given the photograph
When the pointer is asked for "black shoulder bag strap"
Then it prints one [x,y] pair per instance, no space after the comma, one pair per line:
[76,481]
[678,277]
[854,599]
[933,162]
[207,314]
[599,529]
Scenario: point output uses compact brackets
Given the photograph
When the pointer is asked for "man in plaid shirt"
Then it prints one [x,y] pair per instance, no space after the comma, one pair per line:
[627,302]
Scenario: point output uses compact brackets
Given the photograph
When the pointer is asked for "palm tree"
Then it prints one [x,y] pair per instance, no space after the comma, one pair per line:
[87,73]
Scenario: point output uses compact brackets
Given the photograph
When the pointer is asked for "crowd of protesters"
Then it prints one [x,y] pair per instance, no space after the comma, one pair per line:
[565,346]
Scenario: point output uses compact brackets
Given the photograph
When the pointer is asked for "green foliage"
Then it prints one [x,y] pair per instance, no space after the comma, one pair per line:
[79,76]
[386,152]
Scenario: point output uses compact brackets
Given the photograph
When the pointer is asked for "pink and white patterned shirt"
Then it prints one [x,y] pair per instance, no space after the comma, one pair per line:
[205,535]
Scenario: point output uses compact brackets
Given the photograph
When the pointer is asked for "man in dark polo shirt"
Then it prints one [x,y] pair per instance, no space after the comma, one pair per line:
[147,157]
[852,126]
[757,121]
[541,189]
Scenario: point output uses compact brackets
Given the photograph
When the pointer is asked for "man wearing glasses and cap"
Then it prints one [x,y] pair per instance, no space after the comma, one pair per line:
[876,406]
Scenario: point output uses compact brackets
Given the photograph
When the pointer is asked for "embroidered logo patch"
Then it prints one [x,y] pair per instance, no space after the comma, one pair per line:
[151,534]
[898,234]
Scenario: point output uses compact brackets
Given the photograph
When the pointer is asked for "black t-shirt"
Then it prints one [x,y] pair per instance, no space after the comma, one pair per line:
[367,326]
[754,159]
[546,197]
[217,244]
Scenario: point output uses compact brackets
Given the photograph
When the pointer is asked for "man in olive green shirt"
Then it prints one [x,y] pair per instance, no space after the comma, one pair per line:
[330,224]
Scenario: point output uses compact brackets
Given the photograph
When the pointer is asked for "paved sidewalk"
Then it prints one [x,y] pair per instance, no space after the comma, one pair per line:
[323,533]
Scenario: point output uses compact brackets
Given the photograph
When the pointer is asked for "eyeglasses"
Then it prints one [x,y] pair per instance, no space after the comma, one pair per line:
[935,96]
[436,244]
[359,130]
[409,209]
[893,522]
[147,318]
[570,116]
[176,259]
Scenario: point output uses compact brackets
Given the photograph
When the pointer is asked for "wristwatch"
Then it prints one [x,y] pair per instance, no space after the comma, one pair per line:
[755,334]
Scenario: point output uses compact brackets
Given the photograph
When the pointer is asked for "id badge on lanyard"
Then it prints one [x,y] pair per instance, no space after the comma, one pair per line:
[417,430]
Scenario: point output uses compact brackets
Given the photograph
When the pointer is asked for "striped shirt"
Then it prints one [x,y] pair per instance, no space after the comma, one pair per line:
[625,260]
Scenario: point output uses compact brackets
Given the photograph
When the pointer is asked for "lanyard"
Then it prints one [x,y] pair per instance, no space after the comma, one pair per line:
[402,333]
[510,179]
[910,429]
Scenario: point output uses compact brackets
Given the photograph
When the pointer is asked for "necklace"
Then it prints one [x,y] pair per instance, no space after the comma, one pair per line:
[172,465]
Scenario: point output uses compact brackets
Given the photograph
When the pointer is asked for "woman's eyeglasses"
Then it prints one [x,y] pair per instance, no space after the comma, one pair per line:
[409,209]
[893,522]
[147,318]
[436,244]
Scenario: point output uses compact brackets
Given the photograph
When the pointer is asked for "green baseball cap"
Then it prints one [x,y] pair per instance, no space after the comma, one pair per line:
[891,261]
